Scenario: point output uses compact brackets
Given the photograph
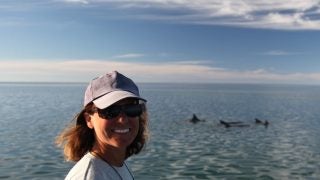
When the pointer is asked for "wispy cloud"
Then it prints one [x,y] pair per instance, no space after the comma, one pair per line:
[129,55]
[278,53]
[77,1]
[85,70]
[271,14]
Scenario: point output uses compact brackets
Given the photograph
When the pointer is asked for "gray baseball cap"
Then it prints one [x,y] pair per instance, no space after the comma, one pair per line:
[110,88]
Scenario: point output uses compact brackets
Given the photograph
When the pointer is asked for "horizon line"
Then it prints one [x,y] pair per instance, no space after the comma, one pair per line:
[173,83]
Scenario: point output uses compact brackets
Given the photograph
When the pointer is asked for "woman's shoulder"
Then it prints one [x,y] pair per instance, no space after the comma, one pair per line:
[89,167]
[83,168]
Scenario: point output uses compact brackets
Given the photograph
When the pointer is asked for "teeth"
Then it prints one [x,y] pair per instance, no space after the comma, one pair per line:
[121,130]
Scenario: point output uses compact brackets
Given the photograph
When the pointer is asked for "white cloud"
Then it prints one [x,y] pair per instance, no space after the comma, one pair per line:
[270,14]
[77,1]
[277,53]
[273,14]
[85,70]
[291,21]
[130,55]
[192,62]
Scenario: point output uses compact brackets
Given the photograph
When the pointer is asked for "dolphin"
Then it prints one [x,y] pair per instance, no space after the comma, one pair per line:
[233,124]
[195,119]
[258,121]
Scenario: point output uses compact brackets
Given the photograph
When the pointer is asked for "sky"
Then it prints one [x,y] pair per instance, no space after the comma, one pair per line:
[176,41]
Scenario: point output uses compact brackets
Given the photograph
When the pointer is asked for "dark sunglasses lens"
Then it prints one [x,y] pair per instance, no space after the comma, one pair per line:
[111,112]
[133,110]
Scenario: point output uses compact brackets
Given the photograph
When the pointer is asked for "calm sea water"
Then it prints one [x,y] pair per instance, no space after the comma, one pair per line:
[31,115]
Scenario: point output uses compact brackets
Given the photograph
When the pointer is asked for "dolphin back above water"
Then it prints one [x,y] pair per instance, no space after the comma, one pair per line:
[233,124]
[195,119]
[258,121]
[229,124]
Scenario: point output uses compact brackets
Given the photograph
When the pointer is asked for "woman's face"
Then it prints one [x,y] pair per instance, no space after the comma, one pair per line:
[118,132]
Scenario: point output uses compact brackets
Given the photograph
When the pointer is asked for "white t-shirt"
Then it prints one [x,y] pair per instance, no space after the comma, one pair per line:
[90,167]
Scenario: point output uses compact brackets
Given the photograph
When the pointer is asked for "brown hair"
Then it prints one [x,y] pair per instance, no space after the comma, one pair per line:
[77,139]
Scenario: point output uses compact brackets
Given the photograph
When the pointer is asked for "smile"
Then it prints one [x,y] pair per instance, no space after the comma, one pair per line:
[121,131]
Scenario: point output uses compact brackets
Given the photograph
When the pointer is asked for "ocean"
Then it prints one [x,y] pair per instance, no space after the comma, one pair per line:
[33,114]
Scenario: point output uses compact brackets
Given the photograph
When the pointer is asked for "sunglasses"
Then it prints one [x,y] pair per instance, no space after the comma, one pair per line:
[130,110]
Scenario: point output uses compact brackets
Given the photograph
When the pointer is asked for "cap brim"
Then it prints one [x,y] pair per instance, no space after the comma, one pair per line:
[113,97]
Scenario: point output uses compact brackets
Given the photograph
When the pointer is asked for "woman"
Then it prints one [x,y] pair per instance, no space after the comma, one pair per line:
[111,127]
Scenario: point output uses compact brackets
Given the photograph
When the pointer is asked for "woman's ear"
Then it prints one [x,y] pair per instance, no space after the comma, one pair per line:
[87,116]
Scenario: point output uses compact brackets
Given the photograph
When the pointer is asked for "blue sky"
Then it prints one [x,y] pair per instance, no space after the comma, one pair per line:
[203,41]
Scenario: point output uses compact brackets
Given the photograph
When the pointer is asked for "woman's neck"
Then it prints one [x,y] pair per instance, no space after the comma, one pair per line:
[112,155]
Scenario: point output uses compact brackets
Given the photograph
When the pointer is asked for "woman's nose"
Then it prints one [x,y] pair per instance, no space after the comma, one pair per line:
[122,117]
